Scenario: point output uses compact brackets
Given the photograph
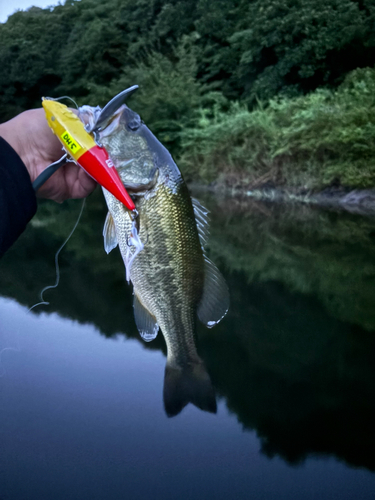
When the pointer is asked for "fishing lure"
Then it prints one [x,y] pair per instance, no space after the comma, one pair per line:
[81,147]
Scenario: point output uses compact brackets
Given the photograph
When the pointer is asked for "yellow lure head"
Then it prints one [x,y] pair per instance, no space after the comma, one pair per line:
[68,128]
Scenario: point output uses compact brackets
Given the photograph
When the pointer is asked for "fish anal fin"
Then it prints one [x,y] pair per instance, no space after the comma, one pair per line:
[146,323]
[214,303]
[109,233]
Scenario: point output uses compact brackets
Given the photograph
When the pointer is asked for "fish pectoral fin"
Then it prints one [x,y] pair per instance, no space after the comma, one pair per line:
[215,300]
[109,233]
[145,321]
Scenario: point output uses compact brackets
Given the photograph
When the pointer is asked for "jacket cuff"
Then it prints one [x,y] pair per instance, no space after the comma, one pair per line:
[17,197]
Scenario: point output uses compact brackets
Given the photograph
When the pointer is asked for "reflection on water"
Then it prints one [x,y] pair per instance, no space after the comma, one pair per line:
[294,358]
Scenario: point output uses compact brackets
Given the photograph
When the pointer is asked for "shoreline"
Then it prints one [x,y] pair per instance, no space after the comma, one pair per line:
[356,201]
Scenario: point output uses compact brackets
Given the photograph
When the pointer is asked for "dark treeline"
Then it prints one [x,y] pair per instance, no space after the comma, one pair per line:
[243,49]
[190,58]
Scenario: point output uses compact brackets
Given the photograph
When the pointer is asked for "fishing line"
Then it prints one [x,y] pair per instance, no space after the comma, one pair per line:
[15,349]
[43,302]
[57,267]
[63,97]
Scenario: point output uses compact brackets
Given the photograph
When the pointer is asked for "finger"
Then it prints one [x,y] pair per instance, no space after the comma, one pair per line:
[79,183]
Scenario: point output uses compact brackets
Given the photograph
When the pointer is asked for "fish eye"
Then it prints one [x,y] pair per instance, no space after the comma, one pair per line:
[134,124]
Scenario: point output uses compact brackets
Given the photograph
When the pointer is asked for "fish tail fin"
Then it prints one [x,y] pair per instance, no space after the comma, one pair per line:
[188,384]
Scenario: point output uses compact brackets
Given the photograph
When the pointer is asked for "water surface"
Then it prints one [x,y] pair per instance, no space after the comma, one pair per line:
[81,412]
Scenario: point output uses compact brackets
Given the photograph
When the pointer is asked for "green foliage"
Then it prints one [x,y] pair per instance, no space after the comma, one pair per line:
[29,57]
[293,46]
[200,64]
[243,49]
[227,141]
[169,92]
[333,131]
[311,141]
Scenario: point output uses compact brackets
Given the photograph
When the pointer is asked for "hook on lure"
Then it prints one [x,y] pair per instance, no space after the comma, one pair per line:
[133,241]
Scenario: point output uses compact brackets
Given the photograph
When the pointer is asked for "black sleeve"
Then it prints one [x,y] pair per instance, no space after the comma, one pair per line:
[17,197]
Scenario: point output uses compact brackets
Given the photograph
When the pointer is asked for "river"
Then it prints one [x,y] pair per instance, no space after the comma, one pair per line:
[81,407]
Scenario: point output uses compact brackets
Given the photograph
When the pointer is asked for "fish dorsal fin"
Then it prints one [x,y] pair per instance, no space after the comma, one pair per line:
[109,233]
[146,323]
[215,300]
[201,218]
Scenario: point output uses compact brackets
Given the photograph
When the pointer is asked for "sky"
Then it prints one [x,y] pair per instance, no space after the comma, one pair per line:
[9,7]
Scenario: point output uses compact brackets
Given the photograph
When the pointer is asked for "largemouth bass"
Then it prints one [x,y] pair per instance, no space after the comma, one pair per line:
[173,279]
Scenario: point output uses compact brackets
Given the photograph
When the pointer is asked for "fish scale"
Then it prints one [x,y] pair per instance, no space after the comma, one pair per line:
[170,268]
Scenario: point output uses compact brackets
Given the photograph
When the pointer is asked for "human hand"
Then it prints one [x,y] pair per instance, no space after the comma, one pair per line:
[30,136]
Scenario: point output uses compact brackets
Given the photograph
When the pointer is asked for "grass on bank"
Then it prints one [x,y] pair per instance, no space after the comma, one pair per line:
[324,138]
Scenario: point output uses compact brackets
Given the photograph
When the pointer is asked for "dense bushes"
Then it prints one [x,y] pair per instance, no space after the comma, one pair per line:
[315,140]
[245,50]
[228,86]
[291,46]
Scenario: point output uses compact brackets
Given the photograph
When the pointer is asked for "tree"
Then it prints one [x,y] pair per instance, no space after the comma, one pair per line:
[295,46]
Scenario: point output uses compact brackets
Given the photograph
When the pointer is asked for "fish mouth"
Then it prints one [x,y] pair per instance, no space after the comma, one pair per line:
[113,123]
[113,105]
